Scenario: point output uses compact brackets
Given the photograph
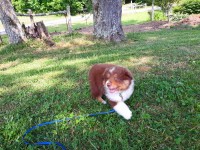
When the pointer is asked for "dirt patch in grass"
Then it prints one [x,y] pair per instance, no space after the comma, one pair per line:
[192,20]
[144,68]
[5,66]
[180,65]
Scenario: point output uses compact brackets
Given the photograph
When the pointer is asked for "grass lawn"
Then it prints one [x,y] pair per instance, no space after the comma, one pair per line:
[39,84]
[127,19]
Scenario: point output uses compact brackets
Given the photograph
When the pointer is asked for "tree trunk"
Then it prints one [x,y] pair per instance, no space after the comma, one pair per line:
[44,34]
[38,30]
[107,20]
[10,22]
[1,41]
[169,11]
[69,21]
[152,10]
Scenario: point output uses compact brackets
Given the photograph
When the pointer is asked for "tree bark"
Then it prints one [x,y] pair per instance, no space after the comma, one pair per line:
[1,41]
[152,10]
[107,20]
[38,30]
[44,34]
[10,22]
[69,20]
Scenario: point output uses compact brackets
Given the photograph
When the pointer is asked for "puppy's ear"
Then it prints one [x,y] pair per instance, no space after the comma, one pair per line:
[105,74]
[128,74]
[126,82]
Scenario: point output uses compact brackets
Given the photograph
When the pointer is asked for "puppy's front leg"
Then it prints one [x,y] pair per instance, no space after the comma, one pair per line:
[112,104]
[101,100]
[122,109]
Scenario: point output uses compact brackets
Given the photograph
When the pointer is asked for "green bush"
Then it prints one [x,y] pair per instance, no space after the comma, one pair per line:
[178,16]
[159,16]
[38,6]
[188,7]
[177,9]
[148,2]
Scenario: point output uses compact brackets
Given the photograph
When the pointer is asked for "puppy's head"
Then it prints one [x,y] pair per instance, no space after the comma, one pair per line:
[116,79]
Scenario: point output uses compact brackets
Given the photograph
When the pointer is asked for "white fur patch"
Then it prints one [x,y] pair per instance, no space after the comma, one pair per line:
[107,83]
[120,96]
[112,69]
[122,109]
[104,102]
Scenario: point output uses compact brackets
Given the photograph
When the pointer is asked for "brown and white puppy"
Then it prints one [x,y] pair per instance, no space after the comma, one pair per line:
[115,82]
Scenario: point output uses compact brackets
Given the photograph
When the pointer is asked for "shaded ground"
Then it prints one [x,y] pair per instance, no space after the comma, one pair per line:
[192,20]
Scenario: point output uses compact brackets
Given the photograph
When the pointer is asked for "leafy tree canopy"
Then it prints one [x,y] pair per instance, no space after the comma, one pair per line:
[161,3]
[38,6]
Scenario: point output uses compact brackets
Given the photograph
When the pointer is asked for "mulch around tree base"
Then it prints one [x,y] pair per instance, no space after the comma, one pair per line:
[150,26]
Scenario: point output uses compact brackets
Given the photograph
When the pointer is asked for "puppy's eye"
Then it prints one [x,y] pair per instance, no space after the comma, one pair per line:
[107,75]
[117,79]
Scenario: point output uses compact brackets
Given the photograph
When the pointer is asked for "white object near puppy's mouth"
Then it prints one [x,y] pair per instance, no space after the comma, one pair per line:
[112,90]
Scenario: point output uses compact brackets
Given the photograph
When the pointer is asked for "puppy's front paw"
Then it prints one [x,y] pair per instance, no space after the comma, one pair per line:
[104,102]
[122,109]
[101,100]
[127,115]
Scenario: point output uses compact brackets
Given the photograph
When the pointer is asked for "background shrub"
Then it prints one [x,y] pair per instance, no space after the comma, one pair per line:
[41,6]
[159,16]
[178,16]
[188,7]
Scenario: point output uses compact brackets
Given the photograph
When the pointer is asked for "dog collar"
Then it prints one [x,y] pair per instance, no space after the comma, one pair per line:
[120,95]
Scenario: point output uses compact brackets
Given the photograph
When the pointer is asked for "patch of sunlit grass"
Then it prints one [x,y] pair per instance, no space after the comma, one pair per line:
[135,18]
[127,19]
[75,44]
[25,67]
[43,81]
[142,60]
[8,65]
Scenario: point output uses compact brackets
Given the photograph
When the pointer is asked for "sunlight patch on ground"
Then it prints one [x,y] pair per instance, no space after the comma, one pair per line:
[41,82]
[178,65]
[74,62]
[9,90]
[143,64]
[74,44]
[36,64]
[38,82]
[9,64]
[142,60]
[2,90]
[189,50]
[152,38]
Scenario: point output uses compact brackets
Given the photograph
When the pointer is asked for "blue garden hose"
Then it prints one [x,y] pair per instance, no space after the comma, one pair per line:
[44,143]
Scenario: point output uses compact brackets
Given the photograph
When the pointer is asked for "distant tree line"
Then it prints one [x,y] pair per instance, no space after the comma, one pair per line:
[39,6]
